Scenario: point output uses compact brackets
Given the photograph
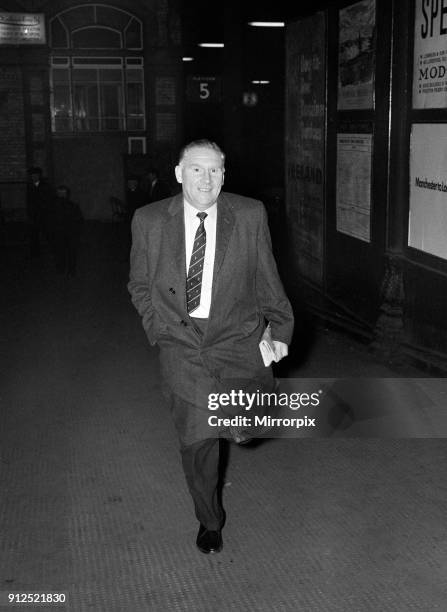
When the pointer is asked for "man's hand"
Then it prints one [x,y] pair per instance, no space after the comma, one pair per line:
[281,349]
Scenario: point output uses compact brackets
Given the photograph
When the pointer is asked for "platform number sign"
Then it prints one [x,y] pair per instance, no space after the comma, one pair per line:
[203,89]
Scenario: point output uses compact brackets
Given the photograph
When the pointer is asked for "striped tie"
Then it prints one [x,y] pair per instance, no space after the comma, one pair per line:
[194,278]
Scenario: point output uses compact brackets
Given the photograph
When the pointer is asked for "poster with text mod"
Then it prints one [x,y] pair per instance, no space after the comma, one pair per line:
[430,54]
[427,228]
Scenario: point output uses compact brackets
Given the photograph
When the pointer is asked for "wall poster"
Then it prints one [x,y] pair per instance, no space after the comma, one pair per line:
[22,28]
[305,143]
[165,93]
[354,163]
[427,228]
[356,56]
[166,127]
[430,55]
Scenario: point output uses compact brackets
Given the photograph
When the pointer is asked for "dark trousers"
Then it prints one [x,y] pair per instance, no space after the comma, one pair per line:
[200,463]
[201,467]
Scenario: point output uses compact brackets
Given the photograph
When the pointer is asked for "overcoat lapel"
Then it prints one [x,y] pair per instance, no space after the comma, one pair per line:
[174,243]
[224,228]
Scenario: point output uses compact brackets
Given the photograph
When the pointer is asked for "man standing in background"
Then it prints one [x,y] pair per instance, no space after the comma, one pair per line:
[156,188]
[38,206]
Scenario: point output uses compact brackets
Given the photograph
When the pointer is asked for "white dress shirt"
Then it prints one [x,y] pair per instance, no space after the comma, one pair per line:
[192,222]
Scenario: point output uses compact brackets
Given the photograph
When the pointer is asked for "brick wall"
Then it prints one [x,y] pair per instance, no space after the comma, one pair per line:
[12,126]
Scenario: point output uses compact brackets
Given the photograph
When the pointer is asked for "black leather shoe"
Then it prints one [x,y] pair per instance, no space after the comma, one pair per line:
[209,541]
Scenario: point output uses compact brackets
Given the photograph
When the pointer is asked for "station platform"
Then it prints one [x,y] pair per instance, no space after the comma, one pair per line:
[94,504]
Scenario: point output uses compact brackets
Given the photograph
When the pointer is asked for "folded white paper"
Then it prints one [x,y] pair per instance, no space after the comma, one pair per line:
[267,347]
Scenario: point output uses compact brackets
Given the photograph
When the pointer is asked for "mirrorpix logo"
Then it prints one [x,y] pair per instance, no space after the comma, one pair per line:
[246,401]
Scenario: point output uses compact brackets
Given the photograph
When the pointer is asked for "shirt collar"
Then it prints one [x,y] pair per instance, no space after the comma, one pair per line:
[191,212]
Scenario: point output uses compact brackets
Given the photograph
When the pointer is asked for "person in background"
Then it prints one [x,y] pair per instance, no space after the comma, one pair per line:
[135,196]
[66,228]
[38,207]
[156,188]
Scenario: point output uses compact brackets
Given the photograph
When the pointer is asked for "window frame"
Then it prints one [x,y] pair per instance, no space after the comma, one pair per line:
[125,64]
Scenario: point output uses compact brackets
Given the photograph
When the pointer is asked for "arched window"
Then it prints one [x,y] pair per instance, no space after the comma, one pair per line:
[96,38]
[72,28]
[92,93]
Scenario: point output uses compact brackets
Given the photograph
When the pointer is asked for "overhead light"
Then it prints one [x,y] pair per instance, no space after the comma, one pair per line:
[266,24]
[212,45]
[260,82]
[187,59]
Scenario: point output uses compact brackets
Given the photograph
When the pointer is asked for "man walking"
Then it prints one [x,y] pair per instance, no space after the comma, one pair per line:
[205,283]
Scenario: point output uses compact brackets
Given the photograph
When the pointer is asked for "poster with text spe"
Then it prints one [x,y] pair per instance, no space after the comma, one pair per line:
[356,56]
[430,54]
[427,228]
[305,143]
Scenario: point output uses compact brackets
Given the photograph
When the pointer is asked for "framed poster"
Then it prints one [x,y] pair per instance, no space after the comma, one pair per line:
[356,56]
[204,89]
[166,127]
[354,165]
[427,227]
[22,29]
[305,143]
[165,94]
[430,55]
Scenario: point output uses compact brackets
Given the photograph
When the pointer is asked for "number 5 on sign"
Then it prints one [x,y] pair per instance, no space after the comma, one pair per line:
[203,89]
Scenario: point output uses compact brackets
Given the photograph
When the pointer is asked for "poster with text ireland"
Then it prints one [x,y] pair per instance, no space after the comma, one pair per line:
[356,56]
[305,143]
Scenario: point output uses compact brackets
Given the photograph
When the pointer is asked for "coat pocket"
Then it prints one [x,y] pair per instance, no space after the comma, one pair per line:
[251,326]
[159,327]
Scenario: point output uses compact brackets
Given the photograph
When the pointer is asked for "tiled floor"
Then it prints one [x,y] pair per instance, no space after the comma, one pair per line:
[93,502]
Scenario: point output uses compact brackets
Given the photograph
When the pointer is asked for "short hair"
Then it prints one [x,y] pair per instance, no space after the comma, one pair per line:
[204,142]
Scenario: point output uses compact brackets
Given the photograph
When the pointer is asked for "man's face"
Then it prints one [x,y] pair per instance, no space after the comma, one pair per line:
[201,174]
[35,177]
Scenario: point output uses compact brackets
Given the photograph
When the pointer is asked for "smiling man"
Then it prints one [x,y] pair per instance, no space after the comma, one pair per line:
[204,280]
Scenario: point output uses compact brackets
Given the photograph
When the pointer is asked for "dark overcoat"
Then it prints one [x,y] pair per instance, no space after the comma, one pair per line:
[247,292]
